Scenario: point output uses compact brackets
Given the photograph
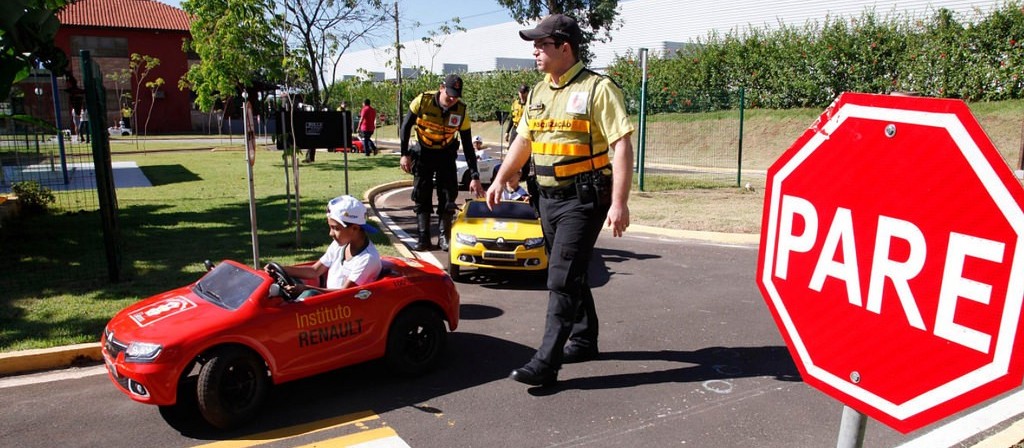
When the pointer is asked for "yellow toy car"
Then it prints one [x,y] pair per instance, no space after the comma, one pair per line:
[508,238]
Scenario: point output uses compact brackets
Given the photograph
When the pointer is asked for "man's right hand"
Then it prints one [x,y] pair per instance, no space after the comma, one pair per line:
[406,164]
[493,194]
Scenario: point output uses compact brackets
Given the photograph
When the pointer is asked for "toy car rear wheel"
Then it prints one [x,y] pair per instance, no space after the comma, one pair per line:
[232,386]
[415,341]
[466,179]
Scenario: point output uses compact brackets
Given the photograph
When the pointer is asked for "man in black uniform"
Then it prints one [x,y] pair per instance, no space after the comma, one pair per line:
[440,120]
[574,123]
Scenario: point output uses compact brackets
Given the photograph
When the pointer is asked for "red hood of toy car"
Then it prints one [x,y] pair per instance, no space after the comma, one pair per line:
[163,317]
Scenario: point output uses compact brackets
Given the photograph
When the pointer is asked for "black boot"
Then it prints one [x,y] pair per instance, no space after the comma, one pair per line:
[444,225]
[423,227]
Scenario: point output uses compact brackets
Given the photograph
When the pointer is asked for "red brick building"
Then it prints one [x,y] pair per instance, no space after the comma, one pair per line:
[112,30]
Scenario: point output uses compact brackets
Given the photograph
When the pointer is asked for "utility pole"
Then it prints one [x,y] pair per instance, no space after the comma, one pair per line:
[398,74]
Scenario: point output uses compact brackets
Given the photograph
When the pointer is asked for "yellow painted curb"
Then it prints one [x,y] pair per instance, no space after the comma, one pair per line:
[371,198]
[48,358]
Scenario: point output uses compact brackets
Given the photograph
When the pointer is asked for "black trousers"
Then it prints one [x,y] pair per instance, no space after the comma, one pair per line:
[434,167]
[571,229]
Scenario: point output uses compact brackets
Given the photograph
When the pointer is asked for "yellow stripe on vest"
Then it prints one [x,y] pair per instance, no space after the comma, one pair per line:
[583,166]
[560,149]
[559,125]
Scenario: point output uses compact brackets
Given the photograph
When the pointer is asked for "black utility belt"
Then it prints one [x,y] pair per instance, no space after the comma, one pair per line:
[587,187]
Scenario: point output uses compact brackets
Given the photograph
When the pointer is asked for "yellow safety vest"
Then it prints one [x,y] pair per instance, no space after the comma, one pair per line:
[517,113]
[559,120]
[435,127]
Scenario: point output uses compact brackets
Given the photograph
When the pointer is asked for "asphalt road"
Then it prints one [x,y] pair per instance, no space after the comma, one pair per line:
[691,357]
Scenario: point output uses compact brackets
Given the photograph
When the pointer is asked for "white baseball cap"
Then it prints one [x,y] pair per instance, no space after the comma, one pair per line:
[349,210]
[478,139]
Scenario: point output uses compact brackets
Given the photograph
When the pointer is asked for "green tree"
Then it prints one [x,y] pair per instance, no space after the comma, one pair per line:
[139,67]
[597,18]
[237,46]
[27,31]
[320,31]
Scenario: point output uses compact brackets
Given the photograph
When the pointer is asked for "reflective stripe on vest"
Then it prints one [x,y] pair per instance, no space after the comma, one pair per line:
[571,169]
[432,122]
[562,141]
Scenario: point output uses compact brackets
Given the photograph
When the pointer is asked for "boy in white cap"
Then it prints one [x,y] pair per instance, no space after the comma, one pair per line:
[351,259]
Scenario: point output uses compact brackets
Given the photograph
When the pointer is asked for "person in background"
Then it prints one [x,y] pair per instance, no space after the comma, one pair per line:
[526,175]
[83,126]
[76,121]
[367,124]
[441,122]
[516,112]
[581,186]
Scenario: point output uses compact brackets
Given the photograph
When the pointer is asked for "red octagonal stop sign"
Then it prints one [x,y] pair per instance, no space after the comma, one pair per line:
[891,258]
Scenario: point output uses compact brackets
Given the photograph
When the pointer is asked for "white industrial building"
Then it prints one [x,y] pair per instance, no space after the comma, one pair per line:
[658,25]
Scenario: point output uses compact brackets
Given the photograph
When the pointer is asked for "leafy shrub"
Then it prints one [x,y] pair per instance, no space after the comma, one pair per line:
[34,198]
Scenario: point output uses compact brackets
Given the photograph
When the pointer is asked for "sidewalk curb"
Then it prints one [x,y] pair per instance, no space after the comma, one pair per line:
[26,361]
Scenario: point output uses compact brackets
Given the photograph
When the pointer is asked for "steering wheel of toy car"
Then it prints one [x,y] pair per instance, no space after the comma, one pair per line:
[282,279]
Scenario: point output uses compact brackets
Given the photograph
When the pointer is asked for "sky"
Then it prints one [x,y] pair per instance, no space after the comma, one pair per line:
[430,13]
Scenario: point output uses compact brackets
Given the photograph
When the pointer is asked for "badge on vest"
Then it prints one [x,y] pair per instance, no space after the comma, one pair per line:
[454,121]
[577,103]
[536,107]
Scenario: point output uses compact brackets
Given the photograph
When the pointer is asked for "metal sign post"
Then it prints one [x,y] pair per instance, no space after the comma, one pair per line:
[250,157]
[851,429]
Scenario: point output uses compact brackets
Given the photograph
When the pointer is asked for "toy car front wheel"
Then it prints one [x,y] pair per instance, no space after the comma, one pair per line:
[232,386]
[454,271]
[415,341]
[182,415]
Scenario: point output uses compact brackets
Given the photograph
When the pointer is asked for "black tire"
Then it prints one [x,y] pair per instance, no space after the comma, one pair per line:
[466,179]
[494,172]
[232,387]
[183,415]
[454,271]
[415,341]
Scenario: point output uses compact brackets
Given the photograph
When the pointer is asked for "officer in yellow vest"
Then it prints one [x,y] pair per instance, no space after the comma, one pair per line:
[441,122]
[516,112]
[510,135]
[575,120]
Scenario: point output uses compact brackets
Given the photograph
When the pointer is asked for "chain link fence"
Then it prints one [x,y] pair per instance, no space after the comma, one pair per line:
[61,163]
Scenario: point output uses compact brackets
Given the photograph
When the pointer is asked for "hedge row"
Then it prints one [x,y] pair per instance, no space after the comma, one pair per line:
[978,58]
[484,93]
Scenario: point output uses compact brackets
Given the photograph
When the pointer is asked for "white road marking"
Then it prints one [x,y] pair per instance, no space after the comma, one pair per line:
[47,377]
[971,424]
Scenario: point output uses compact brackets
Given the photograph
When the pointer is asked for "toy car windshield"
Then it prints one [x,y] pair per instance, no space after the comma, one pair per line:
[227,285]
[502,210]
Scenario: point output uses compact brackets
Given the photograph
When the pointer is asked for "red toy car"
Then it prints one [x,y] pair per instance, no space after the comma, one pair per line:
[221,342]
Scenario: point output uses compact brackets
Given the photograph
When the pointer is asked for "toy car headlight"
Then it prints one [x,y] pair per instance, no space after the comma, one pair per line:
[531,243]
[142,352]
[465,238]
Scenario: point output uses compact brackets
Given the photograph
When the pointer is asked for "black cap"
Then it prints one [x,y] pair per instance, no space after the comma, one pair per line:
[558,26]
[453,86]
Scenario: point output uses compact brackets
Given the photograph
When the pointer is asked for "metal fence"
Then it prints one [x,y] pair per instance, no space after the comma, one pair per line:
[695,141]
[77,169]
[60,163]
